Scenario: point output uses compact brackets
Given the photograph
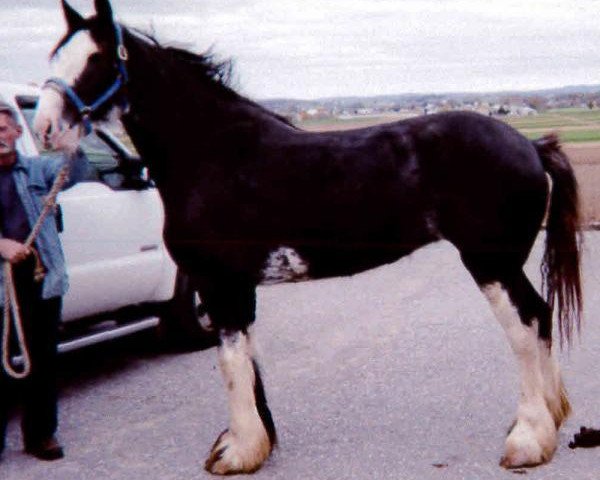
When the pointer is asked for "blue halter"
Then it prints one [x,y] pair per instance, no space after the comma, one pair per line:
[86,110]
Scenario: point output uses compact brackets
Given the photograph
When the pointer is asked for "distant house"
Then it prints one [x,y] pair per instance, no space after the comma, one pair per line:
[524,111]
[430,109]
[516,110]
[315,113]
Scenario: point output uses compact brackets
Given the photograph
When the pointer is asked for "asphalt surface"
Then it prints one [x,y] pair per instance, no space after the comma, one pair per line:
[398,373]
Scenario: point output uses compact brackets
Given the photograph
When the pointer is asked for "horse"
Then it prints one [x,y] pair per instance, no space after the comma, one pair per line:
[251,199]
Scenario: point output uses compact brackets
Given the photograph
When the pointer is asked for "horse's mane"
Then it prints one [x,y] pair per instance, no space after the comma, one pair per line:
[203,66]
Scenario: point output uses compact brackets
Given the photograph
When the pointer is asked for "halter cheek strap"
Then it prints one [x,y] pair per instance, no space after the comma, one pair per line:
[84,110]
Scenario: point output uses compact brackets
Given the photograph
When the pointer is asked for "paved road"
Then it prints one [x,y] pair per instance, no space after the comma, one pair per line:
[398,373]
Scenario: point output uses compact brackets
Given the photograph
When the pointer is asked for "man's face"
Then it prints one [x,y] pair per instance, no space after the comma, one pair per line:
[10,131]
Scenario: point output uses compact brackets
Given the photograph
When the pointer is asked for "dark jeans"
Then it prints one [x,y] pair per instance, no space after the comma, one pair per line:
[37,392]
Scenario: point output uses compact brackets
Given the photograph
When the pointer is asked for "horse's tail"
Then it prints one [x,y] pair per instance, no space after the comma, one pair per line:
[561,277]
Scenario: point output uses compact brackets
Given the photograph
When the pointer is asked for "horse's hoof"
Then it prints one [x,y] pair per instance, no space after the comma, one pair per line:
[529,447]
[232,454]
[524,453]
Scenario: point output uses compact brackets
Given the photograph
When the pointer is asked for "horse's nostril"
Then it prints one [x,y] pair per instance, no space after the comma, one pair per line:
[45,137]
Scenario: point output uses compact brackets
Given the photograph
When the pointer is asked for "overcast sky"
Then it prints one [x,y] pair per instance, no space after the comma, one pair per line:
[317,48]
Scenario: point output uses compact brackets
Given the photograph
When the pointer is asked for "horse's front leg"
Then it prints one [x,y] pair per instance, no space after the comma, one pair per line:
[250,438]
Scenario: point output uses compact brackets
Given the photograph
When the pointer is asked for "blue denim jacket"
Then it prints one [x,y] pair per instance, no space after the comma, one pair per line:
[34,177]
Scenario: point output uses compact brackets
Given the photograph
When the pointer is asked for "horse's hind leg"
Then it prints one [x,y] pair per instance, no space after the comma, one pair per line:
[527,321]
[250,438]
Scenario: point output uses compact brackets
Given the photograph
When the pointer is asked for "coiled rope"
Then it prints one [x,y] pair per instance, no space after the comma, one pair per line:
[12,312]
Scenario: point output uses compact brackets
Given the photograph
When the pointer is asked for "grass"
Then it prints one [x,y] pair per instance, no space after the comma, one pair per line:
[574,125]
[541,124]
[570,136]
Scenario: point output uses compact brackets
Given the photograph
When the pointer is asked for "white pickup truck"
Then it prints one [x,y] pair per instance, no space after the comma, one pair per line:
[122,279]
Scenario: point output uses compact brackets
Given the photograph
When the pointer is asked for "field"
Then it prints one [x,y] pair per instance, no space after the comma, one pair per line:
[579,130]
[573,125]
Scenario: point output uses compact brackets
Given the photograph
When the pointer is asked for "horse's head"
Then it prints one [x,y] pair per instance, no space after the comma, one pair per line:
[88,72]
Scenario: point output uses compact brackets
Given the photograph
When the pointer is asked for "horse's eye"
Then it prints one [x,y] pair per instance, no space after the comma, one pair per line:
[94,58]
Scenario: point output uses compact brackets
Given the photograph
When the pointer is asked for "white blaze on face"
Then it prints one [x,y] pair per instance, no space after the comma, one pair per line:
[71,59]
[48,113]
[68,64]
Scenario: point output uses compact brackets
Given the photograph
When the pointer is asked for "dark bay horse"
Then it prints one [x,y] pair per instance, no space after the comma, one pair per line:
[251,199]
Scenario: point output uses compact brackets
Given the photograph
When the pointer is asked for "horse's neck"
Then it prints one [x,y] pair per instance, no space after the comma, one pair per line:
[174,121]
[162,93]
[161,111]
[159,124]
[154,121]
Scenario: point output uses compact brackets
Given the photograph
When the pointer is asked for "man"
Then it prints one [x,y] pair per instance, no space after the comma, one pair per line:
[23,184]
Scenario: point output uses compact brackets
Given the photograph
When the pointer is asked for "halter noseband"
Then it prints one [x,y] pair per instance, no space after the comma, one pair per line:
[86,110]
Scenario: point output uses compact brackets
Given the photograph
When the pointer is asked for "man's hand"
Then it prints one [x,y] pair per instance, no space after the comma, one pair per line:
[66,140]
[13,251]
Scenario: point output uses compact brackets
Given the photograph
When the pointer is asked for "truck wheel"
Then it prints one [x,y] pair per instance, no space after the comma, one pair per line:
[184,323]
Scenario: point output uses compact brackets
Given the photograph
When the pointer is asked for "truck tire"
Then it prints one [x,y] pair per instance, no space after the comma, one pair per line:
[184,323]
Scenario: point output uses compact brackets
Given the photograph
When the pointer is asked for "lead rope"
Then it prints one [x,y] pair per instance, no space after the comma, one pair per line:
[12,312]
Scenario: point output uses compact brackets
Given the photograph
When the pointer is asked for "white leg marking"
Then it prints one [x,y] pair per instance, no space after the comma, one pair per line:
[245,445]
[554,390]
[533,439]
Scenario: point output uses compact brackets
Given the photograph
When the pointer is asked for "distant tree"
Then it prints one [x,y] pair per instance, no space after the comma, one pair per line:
[537,103]
[503,110]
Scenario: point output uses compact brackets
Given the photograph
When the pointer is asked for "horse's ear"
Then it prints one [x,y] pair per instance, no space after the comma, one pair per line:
[74,20]
[104,10]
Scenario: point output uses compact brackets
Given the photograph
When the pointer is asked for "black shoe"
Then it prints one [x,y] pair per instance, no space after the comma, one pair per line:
[48,449]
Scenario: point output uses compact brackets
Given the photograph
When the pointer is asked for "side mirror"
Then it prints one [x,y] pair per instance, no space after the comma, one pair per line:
[131,173]
[135,175]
